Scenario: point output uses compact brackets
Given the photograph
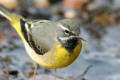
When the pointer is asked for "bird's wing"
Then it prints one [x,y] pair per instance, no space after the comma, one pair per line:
[41,36]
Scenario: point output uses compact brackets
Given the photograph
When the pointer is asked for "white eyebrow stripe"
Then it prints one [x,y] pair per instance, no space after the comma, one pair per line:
[60,25]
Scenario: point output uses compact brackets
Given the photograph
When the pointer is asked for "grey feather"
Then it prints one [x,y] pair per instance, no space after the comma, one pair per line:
[42,35]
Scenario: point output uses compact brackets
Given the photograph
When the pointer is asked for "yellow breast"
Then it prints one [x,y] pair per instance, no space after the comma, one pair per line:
[63,57]
[57,58]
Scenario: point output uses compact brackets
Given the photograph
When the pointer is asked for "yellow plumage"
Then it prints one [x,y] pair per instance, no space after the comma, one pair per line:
[58,59]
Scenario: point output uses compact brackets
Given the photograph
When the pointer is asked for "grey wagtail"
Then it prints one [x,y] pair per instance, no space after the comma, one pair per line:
[50,44]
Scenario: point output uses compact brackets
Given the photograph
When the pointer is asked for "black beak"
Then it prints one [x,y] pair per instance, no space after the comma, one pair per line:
[80,38]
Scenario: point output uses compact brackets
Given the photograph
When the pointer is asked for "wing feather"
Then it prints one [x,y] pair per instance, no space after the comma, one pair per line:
[41,36]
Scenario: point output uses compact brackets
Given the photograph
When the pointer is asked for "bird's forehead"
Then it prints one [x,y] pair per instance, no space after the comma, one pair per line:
[74,29]
[63,27]
[70,25]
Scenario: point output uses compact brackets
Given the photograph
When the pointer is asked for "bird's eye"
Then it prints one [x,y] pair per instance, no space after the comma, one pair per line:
[66,31]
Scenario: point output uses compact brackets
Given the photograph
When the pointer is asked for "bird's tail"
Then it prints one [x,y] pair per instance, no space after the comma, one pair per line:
[10,16]
[5,14]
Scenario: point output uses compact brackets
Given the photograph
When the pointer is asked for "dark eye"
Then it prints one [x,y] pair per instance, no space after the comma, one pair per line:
[66,31]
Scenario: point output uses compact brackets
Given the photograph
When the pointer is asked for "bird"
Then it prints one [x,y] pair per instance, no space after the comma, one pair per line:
[51,44]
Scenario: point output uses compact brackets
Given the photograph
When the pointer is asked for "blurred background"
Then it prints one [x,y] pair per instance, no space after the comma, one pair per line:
[100,26]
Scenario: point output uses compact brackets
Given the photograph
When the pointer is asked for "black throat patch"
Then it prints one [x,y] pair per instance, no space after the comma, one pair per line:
[70,44]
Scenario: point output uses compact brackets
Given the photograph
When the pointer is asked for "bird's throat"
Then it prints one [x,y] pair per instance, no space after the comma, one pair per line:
[70,43]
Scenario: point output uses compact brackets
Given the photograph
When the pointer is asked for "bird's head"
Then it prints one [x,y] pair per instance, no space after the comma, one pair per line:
[68,33]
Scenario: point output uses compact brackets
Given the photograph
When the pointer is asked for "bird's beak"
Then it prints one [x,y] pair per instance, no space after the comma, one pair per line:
[80,38]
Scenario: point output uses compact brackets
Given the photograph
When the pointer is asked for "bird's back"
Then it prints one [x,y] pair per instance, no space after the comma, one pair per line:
[41,37]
